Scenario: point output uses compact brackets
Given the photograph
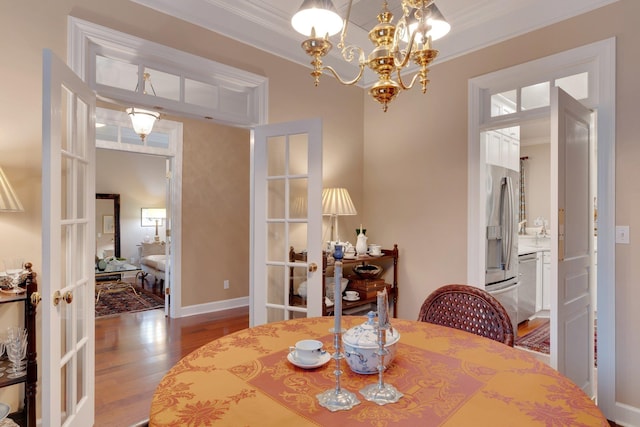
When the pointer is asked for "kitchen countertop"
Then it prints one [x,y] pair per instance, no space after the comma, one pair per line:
[530,243]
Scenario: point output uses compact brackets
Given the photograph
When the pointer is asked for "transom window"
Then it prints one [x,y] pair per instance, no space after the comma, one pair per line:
[535,96]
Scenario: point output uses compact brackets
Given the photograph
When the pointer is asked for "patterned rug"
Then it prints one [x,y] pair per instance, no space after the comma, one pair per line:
[125,301]
[539,340]
[536,340]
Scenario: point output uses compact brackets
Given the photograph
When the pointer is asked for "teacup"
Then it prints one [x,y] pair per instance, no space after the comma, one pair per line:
[375,250]
[351,295]
[307,352]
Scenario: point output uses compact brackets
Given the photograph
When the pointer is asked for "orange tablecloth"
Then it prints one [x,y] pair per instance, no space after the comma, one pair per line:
[448,378]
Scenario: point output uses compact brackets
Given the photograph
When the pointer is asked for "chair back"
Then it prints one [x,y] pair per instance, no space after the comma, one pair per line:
[469,309]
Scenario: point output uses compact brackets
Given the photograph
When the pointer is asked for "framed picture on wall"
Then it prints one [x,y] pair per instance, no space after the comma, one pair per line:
[108,225]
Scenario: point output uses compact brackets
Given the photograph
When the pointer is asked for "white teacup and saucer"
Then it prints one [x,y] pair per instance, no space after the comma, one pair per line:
[308,354]
[351,296]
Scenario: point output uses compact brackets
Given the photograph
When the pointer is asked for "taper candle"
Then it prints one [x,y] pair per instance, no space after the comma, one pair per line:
[337,293]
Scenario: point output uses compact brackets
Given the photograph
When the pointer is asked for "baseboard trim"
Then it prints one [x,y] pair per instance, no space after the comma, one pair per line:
[212,307]
[627,416]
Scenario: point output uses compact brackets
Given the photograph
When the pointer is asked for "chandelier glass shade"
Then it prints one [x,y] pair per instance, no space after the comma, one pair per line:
[142,120]
[396,47]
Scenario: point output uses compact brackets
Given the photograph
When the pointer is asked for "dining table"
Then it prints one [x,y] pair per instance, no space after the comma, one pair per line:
[448,377]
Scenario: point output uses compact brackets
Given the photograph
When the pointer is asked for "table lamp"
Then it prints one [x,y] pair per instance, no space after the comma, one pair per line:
[336,202]
[155,214]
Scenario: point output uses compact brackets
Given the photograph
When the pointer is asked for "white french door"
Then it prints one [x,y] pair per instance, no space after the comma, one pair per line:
[572,321]
[287,213]
[68,234]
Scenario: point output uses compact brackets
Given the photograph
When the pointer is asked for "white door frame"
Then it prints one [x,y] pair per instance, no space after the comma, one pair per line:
[598,58]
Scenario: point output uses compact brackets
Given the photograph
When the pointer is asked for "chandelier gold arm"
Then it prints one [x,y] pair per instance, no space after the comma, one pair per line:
[319,47]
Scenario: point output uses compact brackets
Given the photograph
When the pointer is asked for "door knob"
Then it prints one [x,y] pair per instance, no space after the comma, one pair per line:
[57,297]
[313,267]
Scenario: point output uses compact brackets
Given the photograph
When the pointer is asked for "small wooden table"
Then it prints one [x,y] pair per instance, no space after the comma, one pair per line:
[115,285]
[448,377]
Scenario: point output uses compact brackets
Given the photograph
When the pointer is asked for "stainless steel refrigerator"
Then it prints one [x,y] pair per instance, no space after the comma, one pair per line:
[501,246]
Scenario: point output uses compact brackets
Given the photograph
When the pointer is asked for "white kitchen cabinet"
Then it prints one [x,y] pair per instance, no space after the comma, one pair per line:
[502,149]
[503,145]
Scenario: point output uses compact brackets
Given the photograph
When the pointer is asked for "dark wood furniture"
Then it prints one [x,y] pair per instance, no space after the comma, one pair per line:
[30,298]
[469,309]
[388,260]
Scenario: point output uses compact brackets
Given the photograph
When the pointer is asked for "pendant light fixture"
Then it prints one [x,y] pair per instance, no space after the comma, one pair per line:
[143,120]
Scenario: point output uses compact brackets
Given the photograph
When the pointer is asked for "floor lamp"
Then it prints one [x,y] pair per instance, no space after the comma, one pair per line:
[336,202]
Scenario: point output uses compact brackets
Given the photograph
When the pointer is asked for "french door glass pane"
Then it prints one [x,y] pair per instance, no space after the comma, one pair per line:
[276,284]
[276,199]
[299,285]
[274,315]
[298,236]
[276,156]
[298,198]
[276,250]
[298,154]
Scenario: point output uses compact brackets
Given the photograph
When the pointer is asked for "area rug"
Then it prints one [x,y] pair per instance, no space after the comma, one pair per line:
[536,340]
[539,340]
[125,301]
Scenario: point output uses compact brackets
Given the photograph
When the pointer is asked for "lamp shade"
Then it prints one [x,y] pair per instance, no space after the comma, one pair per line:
[320,15]
[154,213]
[9,202]
[336,201]
[439,25]
[142,120]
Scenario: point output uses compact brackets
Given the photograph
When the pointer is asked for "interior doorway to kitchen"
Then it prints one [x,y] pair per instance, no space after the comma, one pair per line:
[596,62]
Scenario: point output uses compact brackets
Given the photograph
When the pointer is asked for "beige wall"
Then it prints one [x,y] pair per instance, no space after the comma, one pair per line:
[415,176]
[408,182]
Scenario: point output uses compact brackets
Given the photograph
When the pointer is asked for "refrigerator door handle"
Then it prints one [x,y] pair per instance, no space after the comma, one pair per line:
[509,222]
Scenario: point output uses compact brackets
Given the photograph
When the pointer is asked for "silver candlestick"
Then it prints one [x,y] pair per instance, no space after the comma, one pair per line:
[380,392]
[337,399]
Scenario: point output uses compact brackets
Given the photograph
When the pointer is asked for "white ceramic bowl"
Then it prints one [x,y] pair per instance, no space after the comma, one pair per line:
[330,286]
[360,345]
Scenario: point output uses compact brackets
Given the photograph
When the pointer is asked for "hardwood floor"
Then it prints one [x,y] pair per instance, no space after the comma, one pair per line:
[529,325]
[135,350]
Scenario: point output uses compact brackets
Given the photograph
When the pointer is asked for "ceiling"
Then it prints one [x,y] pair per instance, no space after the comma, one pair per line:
[265,24]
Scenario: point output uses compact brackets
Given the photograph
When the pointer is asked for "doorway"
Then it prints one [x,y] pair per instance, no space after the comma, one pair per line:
[597,60]
[131,163]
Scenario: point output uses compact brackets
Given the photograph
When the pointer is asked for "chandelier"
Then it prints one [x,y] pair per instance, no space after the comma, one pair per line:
[396,46]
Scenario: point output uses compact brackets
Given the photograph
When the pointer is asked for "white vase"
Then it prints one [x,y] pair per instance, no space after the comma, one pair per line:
[361,244]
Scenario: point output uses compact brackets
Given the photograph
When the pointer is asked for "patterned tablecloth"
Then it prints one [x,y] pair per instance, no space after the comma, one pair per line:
[448,378]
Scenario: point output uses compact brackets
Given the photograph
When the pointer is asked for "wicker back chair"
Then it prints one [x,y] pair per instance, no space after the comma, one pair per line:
[469,309]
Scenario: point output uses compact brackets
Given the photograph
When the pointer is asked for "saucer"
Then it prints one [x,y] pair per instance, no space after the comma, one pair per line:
[376,255]
[351,299]
[350,257]
[323,359]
